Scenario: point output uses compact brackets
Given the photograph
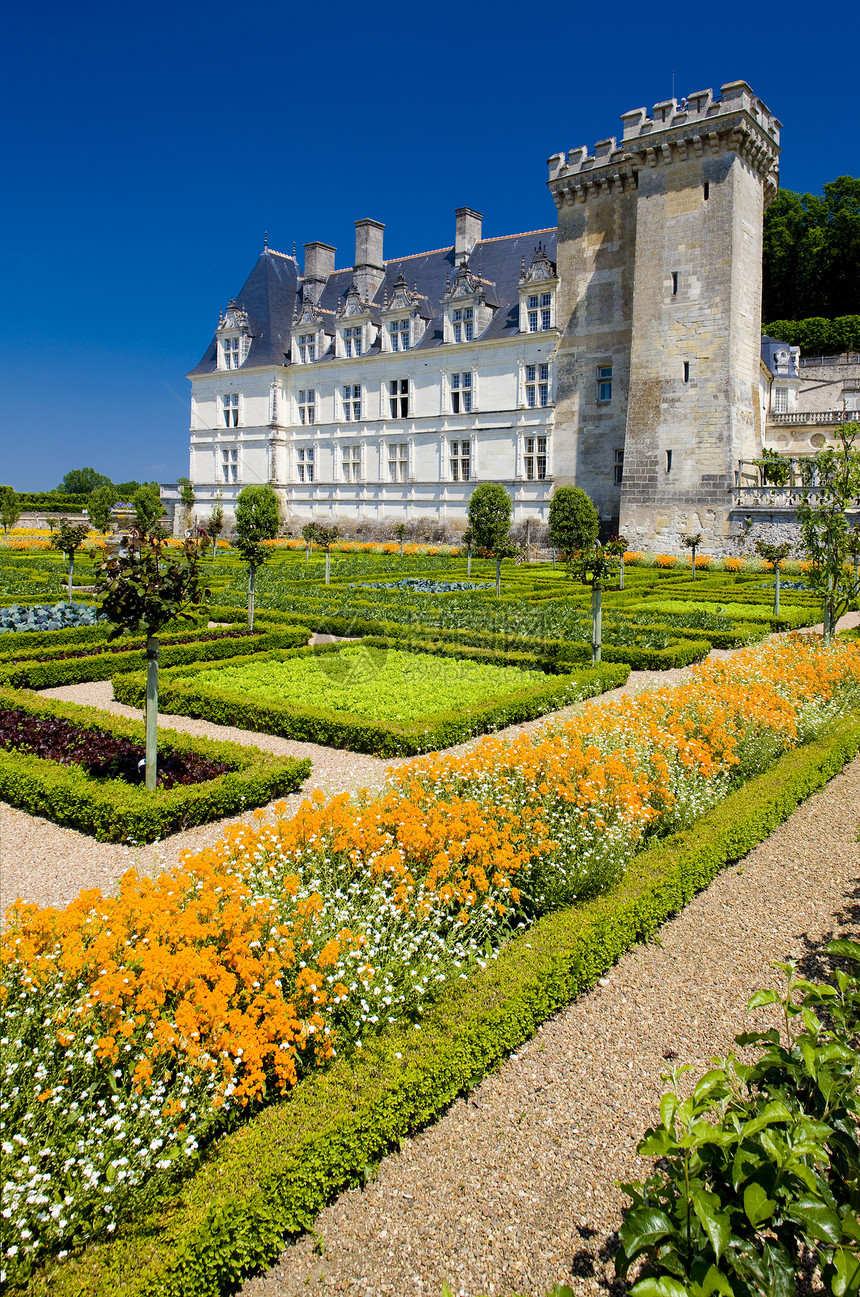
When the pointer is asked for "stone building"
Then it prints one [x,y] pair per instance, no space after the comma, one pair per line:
[618,351]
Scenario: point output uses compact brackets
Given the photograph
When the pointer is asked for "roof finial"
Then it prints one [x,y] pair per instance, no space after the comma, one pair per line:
[294,249]
[265,240]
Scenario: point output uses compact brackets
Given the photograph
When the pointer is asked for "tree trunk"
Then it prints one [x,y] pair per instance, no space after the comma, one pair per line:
[327,566]
[252,582]
[528,539]
[829,628]
[694,564]
[498,578]
[71,574]
[621,573]
[776,591]
[307,553]
[401,549]
[596,624]
[214,550]
[469,561]
[151,767]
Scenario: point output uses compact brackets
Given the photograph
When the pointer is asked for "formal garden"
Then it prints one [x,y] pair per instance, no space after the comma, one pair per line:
[194,1064]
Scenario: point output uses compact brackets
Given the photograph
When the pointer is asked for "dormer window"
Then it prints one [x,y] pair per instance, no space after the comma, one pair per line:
[352,341]
[234,337]
[462,319]
[398,333]
[307,346]
[539,312]
[230,353]
[538,286]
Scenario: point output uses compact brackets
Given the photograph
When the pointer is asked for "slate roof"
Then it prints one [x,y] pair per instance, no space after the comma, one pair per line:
[270,292]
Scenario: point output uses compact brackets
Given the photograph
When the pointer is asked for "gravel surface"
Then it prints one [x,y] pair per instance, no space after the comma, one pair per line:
[514,1189]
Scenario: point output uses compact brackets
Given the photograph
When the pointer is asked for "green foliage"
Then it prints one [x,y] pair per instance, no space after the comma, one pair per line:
[489,516]
[824,526]
[148,508]
[573,520]
[760,1166]
[149,586]
[100,504]
[817,336]
[186,492]
[775,554]
[258,518]
[112,811]
[82,481]
[811,263]
[69,538]
[10,507]
[272,1177]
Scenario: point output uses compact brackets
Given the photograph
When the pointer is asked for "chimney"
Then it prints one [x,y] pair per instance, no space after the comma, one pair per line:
[468,232]
[319,264]
[369,269]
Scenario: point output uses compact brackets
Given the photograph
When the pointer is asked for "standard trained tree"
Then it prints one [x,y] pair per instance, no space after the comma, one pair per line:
[258,517]
[776,556]
[68,539]
[573,520]
[10,507]
[490,522]
[148,507]
[834,488]
[142,590]
[100,504]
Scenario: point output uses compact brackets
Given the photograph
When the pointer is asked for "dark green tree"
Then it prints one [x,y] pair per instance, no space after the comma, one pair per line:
[573,520]
[490,523]
[811,253]
[824,526]
[140,590]
[401,531]
[10,507]
[309,535]
[258,517]
[82,481]
[148,508]
[68,539]
[100,504]
[187,498]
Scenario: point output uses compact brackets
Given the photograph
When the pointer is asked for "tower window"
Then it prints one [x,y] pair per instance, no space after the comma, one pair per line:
[230,409]
[674,283]
[398,398]
[230,353]
[668,461]
[461,394]
[537,385]
[619,466]
[706,189]
[604,382]
[686,371]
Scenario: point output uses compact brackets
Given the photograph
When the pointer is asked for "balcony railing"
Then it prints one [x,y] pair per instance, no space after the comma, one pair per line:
[847,358]
[816,417]
[756,489]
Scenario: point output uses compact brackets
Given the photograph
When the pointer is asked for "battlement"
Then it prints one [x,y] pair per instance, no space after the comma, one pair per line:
[700,112]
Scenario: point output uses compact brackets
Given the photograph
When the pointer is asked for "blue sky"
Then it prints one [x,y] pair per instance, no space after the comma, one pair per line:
[147,149]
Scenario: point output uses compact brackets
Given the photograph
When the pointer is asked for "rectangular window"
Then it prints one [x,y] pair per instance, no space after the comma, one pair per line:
[398,332]
[668,461]
[686,371]
[464,324]
[230,465]
[535,459]
[604,382]
[230,409]
[461,394]
[230,352]
[307,347]
[307,405]
[398,398]
[537,385]
[706,191]
[352,402]
[305,464]
[674,283]
[398,459]
[619,466]
[546,310]
[460,460]
[780,400]
[351,460]
[352,341]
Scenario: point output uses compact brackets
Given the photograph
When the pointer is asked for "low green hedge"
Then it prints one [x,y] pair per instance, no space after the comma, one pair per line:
[101,666]
[358,733]
[112,811]
[272,1177]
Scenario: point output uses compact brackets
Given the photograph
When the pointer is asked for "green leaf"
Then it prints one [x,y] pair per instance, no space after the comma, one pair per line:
[757,1205]
[665,1286]
[715,1282]
[761,998]
[818,1220]
[714,1222]
[642,1229]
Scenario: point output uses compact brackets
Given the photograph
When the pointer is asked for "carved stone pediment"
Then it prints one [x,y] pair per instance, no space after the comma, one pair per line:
[351,305]
[540,270]
[234,318]
[307,314]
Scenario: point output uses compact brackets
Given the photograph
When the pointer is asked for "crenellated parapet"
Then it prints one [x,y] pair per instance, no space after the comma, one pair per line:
[676,131]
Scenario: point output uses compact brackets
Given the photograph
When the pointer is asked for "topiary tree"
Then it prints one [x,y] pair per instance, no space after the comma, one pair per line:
[215,525]
[490,522]
[148,509]
[100,504]
[140,589]
[573,520]
[468,541]
[401,531]
[258,517]
[325,537]
[10,507]
[692,543]
[68,539]
[309,535]
[824,525]
[775,554]
[186,499]
[594,566]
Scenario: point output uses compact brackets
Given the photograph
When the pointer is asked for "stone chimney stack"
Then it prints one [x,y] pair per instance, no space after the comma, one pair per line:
[369,268]
[468,232]
[319,264]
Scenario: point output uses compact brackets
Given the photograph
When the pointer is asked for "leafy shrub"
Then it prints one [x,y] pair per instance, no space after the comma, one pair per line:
[573,520]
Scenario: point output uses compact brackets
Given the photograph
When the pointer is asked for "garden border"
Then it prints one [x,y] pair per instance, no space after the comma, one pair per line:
[271,1177]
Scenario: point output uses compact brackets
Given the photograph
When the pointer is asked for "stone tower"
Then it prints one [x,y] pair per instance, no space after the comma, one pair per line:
[659,257]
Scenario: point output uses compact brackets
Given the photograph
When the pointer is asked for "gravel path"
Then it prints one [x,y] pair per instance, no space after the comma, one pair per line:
[514,1188]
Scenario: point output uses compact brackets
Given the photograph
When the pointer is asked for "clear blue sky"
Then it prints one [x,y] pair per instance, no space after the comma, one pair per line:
[148,147]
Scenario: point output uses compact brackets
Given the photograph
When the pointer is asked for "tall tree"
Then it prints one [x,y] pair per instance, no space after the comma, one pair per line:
[811,253]
[10,507]
[258,516]
[490,523]
[82,481]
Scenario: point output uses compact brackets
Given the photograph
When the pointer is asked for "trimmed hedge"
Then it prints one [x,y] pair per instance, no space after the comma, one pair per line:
[101,666]
[358,733]
[113,811]
[271,1177]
